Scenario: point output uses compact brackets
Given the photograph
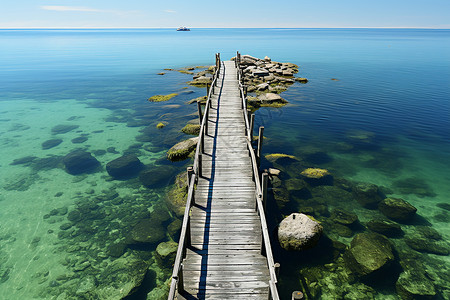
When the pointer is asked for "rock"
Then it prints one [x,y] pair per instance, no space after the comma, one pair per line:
[166,252]
[386,228]
[260,72]
[79,140]
[274,172]
[342,230]
[147,231]
[116,249]
[268,98]
[315,173]
[61,129]
[343,217]
[367,194]
[121,278]
[177,195]
[262,87]
[445,206]
[160,98]
[201,81]
[192,129]
[299,232]
[281,158]
[414,285]
[298,188]
[124,166]
[423,244]
[316,176]
[160,125]
[182,150]
[368,253]
[51,143]
[157,176]
[281,197]
[266,58]
[173,229]
[79,161]
[397,209]
[301,79]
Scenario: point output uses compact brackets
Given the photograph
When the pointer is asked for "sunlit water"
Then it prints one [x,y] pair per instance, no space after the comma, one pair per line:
[383,119]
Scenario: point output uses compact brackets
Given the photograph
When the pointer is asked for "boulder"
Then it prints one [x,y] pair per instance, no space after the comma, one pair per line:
[270,98]
[262,87]
[368,253]
[181,150]
[166,253]
[147,231]
[423,244]
[415,285]
[63,128]
[260,72]
[387,228]
[316,176]
[343,217]
[192,129]
[299,232]
[368,195]
[397,209]
[79,161]
[177,195]
[201,81]
[121,278]
[274,172]
[157,176]
[124,166]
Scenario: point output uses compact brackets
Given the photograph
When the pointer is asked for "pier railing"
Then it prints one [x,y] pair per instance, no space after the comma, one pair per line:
[192,173]
[260,183]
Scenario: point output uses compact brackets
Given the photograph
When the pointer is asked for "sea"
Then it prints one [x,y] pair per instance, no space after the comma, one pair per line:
[375,112]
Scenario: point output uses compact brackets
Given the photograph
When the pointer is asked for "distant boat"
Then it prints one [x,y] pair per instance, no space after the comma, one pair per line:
[183,29]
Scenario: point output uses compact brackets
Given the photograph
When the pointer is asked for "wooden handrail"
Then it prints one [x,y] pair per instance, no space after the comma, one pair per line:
[181,251]
[273,291]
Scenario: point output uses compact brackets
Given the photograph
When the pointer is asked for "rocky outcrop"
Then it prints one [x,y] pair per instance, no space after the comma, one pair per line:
[182,150]
[299,232]
[397,209]
[368,253]
[78,162]
[124,166]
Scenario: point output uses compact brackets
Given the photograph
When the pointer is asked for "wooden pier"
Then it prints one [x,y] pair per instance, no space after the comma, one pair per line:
[224,250]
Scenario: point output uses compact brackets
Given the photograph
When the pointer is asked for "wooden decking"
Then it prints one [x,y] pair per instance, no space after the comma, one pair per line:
[224,260]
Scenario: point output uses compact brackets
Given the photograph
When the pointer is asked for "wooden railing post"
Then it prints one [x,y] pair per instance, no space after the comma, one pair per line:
[200,164]
[277,269]
[252,124]
[265,181]
[200,114]
[260,140]
[245,91]
[208,87]
[190,171]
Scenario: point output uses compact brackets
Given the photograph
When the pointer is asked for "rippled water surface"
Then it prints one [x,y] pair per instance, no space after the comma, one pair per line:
[376,110]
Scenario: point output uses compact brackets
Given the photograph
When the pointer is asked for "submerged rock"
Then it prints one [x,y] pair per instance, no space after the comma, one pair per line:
[397,209]
[316,176]
[201,81]
[182,150]
[166,252]
[368,253]
[424,244]
[124,166]
[415,285]
[368,195]
[121,278]
[147,231]
[192,129]
[161,98]
[343,217]
[157,176]
[61,129]
[177,195]
[79,161]
[299,232]
[51,143]
[387,228]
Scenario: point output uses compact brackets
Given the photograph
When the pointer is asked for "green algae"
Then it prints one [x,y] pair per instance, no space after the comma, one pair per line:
[192,129]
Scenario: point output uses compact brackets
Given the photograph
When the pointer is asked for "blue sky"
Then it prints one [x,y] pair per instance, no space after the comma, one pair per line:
[229,13]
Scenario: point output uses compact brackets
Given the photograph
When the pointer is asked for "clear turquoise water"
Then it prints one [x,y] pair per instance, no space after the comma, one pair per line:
[393,85]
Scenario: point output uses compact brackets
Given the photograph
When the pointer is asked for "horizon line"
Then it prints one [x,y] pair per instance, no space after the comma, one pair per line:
[380,27]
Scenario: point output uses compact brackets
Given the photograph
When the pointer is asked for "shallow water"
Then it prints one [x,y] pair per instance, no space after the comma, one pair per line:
[385,120]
